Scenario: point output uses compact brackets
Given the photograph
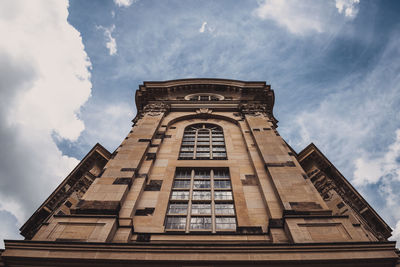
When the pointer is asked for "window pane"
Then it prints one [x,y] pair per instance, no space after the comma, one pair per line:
[177,208]
[200,223]
[203,148]
[202,139]
[225,223]
[181,184]
[183,173]
[202,155]
[218,143]
[188,143]
[185,139]
[202,174]
[180,195]
[203,143]
[219,155]
[224,209]
[201,184]
[222,184]
[187,148]
[223,195]
[219,149]
[201,195]
[175,223]
[185,155]
[221,173]
[201,209]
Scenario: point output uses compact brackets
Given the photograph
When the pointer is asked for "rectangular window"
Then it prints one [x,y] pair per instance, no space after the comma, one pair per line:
[224,209]
[223,195]
[201,209]
[201,199]
[200,223]
[175,223]
[201,195]
[186,155]
[182,184]
[222,184]
[202,174]
[177,208]
[202,184]
[180,195]
[225,223]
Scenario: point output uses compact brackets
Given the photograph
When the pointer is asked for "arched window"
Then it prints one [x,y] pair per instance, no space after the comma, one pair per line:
[204,97]
[203,141]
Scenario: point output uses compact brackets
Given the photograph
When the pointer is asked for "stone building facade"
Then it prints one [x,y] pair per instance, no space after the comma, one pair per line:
[204,179]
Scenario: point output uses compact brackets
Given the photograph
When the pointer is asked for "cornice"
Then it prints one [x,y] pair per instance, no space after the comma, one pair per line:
[159,91]
[98,152]
[311,152]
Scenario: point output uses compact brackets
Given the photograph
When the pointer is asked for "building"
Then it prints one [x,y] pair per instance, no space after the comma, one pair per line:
[204,179]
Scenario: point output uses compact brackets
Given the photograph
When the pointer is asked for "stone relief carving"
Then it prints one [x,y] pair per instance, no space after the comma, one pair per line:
[154,109]
[254,110]
[204,111]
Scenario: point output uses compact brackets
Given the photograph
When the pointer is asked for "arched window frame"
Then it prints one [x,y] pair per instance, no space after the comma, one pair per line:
[203,141]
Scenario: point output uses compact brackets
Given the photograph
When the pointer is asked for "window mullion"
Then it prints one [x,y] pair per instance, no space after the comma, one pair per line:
[195,144]
[189,212]
[212,201]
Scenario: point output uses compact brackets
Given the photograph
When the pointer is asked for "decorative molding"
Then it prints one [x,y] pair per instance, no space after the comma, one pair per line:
[156,109]
[254,110]
[204,111]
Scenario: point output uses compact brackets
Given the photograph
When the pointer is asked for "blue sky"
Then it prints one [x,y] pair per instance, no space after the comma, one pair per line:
[68,72]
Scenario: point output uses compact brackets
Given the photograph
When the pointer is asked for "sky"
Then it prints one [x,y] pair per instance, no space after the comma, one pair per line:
[69,70]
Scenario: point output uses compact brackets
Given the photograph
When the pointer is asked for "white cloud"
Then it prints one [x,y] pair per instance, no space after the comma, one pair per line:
[303,17]
[203,27]
[124,3]
[349,7]
[370,170]
[396,234]
[351,127]
[44,80]
[111,43]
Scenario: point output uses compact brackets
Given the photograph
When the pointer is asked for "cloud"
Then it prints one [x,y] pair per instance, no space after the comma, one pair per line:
[352,125]
[396,234]
[349,7]
[203,27]
[111,43]
[370,170]
[44,80]
[303,17]
[124,3]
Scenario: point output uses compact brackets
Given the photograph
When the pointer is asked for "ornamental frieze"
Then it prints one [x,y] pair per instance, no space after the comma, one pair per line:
[254,109]
[156,109]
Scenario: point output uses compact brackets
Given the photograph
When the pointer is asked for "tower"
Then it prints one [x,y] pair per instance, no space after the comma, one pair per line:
[204,178]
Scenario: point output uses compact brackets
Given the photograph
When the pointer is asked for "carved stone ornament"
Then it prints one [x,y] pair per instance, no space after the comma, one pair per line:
[204,111]
[156,109]
[253,109]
